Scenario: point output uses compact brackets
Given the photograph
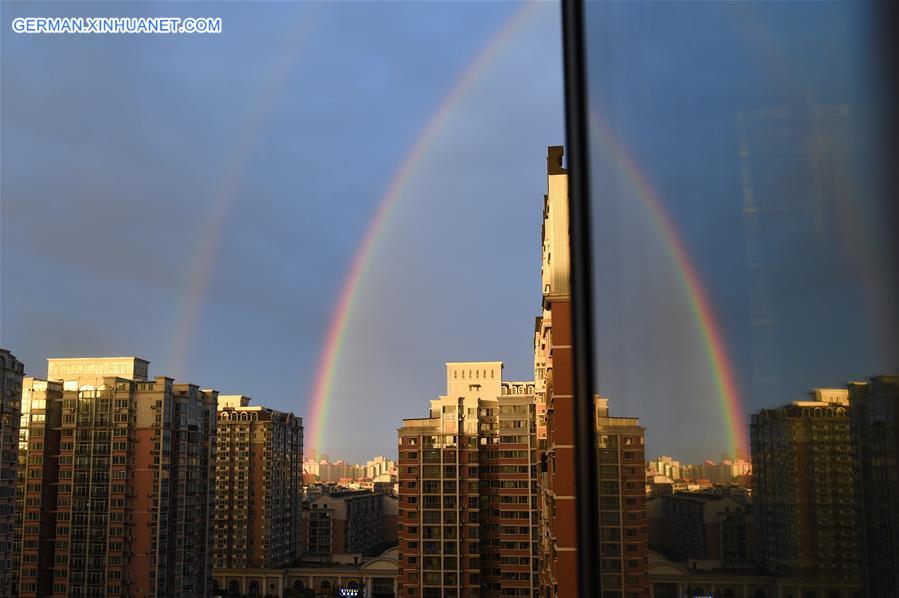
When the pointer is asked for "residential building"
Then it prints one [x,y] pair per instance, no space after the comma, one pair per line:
[467,489]
[711,530]
[623,530]
[125,499]
[803,487]
[259,485]
[339,525]
[368,577]
[669,579]
[553,374]
[874,415]
[11,373]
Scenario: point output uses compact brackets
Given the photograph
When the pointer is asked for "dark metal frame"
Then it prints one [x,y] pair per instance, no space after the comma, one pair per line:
[582,324]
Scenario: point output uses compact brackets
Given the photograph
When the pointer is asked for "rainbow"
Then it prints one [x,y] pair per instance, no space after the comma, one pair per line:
[720,362]
[204,257]
[210,238]
[721,366]
[327,366]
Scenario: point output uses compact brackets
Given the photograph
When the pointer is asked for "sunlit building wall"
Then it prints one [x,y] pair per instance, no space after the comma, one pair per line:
[134,470]
[803,507]
[874,412]
[557,528]
[11,374]
[39,437]
[259,485]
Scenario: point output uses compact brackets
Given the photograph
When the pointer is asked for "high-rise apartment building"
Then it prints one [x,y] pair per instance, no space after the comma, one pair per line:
[555,399]
[874,415]
[623,534]
[803,487]
[467,483]
[118,497]
[623,531]
[259,485]
[11,374]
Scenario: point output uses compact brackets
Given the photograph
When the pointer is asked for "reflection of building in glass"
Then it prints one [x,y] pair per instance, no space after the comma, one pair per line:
[815,246]
[623,529]
[670,579]
[803,487]
[703,526]
[135,465]
[467,489]
[11,373]
[259,482]
[875,433]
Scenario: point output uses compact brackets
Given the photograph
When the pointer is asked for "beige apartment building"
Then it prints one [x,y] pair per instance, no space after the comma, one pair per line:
[11,374]
[116,481]
[467,483]
[259,485]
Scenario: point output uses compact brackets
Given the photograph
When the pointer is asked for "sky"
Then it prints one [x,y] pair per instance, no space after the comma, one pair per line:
[198,200]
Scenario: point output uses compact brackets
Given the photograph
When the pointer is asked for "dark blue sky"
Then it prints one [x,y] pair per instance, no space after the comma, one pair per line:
[203,196]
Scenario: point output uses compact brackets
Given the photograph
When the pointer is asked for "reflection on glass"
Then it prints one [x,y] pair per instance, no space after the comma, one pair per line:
[744,279]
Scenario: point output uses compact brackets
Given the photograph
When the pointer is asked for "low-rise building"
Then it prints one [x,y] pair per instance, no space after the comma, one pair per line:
[367,577]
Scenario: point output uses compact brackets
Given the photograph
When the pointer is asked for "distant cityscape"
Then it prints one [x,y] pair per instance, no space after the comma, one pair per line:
[116,483]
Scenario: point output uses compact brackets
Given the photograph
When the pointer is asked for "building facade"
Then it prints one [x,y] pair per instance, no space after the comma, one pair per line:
[803,509]
[874,414]
[701,526]
[39,441]
[342,523]
[467,489]
[370,577]
[11,373]
[623,531]
[555,403]
[259,485]
[119,497]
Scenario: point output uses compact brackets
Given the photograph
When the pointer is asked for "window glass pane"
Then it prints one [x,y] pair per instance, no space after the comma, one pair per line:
[744,248]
